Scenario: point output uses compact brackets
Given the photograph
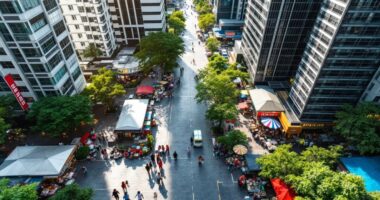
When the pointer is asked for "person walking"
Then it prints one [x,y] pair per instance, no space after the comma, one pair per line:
[159,179]
[123,186]
[139,195]
[115,194]
[159,163]
[167,150]
[84,170]
[155,195]
[147,168]
[150,166]
[126,196]
[175,155]
[152,158]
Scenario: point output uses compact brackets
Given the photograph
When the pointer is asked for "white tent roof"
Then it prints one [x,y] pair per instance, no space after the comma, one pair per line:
[36,161]
[132,115]
[264,100]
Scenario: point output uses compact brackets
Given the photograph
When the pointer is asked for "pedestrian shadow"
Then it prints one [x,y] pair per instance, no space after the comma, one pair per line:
[151,181]
[163,191]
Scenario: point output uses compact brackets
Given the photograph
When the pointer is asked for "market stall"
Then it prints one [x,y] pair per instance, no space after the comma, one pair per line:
[132,116]
[145,90]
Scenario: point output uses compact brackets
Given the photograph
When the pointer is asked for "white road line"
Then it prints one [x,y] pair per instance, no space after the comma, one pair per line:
[232,178]
[217,186]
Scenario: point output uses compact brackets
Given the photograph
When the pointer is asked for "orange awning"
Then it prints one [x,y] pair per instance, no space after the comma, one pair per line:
[283,191]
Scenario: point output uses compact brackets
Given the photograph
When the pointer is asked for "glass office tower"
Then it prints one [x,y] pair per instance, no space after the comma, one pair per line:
[341,58]
[275,35]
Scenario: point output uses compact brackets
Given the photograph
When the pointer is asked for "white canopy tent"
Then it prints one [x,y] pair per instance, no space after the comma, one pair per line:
[36,161]
[264,100]
[132,115]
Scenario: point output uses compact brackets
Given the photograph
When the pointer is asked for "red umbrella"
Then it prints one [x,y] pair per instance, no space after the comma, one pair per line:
[144,90]
[283,191]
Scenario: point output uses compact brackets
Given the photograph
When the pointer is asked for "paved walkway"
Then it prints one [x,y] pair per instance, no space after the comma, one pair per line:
[255,148]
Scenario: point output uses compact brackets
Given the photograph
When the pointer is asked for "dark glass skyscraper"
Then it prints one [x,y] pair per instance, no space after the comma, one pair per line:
[341,58]
[230,9]
[275,36]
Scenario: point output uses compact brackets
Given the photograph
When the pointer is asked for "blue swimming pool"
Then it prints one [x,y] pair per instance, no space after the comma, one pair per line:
[366,167]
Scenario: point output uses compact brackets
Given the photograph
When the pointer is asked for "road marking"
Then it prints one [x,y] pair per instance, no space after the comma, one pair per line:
[170,110]
[232,178]
[190,122]
[217,186]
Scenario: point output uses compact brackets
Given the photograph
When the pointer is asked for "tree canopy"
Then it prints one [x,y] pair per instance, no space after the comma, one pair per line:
[206,21]
[160,49]
[222,111]
[17,192]
[212,44]
[92,51]
[232,138]
[179,14]
[56,115]
[176,23]
[311,173]
[360,126]
[73,191]
[218,62]
[104,88]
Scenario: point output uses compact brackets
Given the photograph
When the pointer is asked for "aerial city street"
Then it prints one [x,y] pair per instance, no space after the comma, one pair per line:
[189,100]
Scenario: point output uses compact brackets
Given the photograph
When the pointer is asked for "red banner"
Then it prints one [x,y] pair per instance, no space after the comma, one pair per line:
[268,114]
[12,85]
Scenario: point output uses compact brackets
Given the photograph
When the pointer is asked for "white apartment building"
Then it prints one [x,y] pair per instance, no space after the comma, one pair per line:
[36,51]
[89,21]
[133,19]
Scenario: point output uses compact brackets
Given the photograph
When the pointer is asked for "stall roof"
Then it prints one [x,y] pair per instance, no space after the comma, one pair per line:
[251,162]
[36,161]
[132,115]
[283,191]
[145,90]
[367,168]
[264,100]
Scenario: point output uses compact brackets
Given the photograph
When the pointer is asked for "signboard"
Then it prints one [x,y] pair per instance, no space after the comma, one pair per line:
[230,33]
[12,85]
[268,114]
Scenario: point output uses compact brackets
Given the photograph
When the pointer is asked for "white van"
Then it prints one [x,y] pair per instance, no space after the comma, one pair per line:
[197,138]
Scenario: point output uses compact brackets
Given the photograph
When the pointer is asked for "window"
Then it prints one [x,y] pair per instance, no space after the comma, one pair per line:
[84,19]
[20,31]
[2,51]
[31,52]
[64,42]
[29,4]
[38,67]
[61,72]
[10,7]
[4,31]
[80,9]
[71,7]
[76,26]
[87,28]
[45,81]
[68,51]
[82,44]
[50,4]
[89,36]
[23,89]
[38,22]
[54,61]
[47,45]
[79,35]
[89,9]
[73,17]
[7,65]
[32,81]
[17,54]
[66,86]
[76,73]
[25,68]
[59,28]
[16,77]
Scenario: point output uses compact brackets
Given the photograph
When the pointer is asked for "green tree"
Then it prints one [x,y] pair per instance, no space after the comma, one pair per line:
[92,51]
[218,62]
[4,126]
[177,24]
[360,125]
[212,44]
[73,191]
[203,8]
[56,115]
[179,14]
[206,21]
[232,138]
[104,88]
[328,156]
[160,49]
[8,104]
[280,163]
[216,89]
[221,112]
[17,192]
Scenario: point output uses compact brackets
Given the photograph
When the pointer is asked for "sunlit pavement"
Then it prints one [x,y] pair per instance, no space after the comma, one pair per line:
[178,117]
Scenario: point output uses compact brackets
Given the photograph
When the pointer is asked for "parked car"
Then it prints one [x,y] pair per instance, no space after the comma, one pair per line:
[224,53]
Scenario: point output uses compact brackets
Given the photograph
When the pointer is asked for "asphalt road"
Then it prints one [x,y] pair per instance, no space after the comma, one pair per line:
[178,117]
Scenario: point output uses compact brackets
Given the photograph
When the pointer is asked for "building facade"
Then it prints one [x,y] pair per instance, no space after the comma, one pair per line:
[36,50]
[340,64]
[132,20]
[230,9]
[275,35]
[89,22]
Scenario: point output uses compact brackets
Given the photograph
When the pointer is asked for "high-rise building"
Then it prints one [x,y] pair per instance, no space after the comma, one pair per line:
[230,9]
[341,58]
[275,35]
[36,51]
[89,22]
[132,20]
